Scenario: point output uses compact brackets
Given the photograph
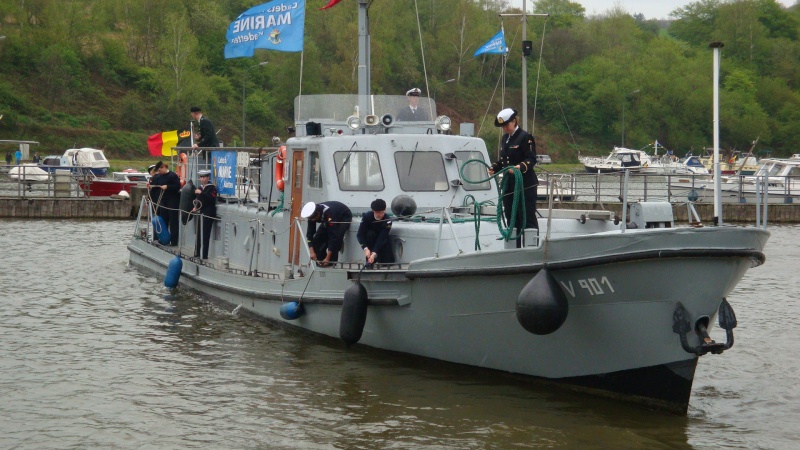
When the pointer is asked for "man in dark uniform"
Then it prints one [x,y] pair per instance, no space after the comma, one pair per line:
[373,234]
[517,149]
[413,112]
[206,194]
[334,219]
[169,198]
[205,136]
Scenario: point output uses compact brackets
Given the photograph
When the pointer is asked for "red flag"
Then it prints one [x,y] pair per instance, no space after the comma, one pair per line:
[330,4]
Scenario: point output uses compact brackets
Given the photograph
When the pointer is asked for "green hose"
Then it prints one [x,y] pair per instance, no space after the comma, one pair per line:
[517,203]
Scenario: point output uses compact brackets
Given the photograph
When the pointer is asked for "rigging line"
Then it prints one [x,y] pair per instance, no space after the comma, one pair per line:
[538,74]
[424,67]
[565,118]
[505,63]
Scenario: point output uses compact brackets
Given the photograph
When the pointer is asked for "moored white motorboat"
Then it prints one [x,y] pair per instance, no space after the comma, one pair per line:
[782,185]
[618,160]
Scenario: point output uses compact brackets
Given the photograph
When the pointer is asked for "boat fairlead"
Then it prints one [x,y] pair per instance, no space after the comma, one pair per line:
[682,326]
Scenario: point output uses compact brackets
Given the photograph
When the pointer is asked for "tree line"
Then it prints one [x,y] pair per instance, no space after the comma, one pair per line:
[107,74]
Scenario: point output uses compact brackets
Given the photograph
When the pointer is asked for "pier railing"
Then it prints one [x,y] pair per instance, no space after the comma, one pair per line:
[20,181]
[609,187]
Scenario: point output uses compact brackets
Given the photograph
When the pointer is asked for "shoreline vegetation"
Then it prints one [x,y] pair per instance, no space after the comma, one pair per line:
[105,74]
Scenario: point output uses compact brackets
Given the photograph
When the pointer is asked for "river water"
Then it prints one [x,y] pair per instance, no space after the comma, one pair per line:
[96,354]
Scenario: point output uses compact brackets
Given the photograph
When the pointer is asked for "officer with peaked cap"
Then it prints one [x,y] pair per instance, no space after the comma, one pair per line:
[518,149]
[334,219]
[206,196]
[414,112]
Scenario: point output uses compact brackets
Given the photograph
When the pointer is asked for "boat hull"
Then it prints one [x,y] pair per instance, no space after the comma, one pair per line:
[617,340]
[105,188]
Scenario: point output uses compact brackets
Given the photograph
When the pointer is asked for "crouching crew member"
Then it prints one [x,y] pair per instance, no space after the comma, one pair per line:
[518,150]
[206,195]
[373,234]
[327,240]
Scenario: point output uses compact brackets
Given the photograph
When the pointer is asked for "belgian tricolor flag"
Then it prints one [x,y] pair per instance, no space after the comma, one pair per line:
[160,144]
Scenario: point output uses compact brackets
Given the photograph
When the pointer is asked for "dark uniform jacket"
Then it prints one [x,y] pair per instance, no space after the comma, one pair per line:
[334,222]
[519,148]
[208,200]
[208,138]
[171,197]
[381,229]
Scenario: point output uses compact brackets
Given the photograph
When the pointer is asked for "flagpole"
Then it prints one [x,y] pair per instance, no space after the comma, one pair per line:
[363,58]
[524,16]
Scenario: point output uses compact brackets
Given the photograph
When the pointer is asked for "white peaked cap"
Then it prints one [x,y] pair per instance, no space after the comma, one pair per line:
[504,117]
[308,210]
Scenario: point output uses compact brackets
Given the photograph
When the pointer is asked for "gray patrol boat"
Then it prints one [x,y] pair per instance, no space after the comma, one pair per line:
[617,306]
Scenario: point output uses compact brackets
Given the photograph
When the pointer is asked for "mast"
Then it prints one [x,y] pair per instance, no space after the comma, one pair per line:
[364,80]
[525,16]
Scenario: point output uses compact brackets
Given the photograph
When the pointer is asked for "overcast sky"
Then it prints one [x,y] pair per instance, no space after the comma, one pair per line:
[652,9]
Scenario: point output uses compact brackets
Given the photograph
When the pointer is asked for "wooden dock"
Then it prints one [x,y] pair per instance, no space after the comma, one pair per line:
[71,207]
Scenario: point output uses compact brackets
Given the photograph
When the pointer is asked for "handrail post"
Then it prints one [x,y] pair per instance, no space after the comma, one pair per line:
[624,214]
[439,237]
[453,230]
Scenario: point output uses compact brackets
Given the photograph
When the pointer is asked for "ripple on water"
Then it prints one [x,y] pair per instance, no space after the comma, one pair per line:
[96,354]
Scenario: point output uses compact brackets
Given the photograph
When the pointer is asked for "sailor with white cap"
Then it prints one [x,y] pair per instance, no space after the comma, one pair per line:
[334,219]
[518,150]
[206,205]
[413,112]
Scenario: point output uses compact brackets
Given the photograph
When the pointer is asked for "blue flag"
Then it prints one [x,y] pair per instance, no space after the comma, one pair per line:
[496,44]
[277,25]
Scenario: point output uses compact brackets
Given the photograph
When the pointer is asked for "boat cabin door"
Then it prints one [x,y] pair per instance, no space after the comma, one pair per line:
[296,239]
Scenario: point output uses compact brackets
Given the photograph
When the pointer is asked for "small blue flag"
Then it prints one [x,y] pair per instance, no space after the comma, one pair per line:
[496,44]
[277,25]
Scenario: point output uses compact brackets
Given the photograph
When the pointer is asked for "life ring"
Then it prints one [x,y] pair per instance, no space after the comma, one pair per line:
[279,167]
[181,167]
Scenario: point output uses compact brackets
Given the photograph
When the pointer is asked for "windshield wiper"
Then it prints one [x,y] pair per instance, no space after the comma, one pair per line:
[346,159]
[412,159]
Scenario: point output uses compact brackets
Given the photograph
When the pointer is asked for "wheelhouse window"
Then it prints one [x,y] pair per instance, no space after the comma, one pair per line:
[358,171]
[473,172]
[315,175]
[421,171]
